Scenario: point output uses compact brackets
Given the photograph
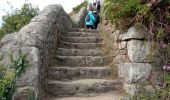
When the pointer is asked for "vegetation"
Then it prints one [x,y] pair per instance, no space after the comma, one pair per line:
[13,22]
[155,16]
[77,8]
[9,74]
[138,11]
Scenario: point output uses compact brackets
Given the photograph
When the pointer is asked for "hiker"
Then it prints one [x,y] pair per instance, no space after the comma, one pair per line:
[94,7]
[98,6]
[90,20]
[97,17]
[89,7]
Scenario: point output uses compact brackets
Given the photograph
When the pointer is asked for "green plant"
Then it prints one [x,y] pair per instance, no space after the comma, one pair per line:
[144,94]
[13,22]
[154,15]
[9,74]
[77,8]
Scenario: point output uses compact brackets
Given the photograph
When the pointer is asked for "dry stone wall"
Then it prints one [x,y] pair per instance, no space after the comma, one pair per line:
[39,41]
[130,54]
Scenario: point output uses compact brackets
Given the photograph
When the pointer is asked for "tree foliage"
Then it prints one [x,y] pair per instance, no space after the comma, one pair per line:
[14,21]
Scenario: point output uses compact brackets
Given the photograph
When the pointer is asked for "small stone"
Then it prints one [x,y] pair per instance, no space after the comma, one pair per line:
[115,35]
[122,45]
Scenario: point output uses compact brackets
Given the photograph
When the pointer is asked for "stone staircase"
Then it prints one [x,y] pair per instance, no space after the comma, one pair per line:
[82,68]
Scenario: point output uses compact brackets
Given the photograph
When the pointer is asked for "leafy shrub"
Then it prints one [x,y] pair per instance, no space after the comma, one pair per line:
[13,22]
[9,74]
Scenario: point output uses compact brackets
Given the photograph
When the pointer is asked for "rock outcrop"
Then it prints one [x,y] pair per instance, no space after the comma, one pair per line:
[79,18]
[39,41]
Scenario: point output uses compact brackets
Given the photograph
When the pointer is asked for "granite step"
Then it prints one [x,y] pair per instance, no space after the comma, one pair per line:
[81,34]
[82,60]
[79,52]
[81,39]
[69,73]
[69,45]
[112,95]
[66,88]
[84,30]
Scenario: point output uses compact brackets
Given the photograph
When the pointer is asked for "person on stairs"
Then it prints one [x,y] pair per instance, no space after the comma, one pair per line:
[90,20]
[94,7]
[98,6]
[97,17]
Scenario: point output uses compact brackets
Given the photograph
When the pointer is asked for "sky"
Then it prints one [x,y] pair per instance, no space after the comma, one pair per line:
[67,4]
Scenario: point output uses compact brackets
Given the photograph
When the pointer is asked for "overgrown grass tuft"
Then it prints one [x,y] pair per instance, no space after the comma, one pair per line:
[9,74]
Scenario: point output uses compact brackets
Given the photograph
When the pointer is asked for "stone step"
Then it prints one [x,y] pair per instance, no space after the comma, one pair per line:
[63,44]
[82,60]
[68,73]
[60,88]
[112,95]
[82,39]
[84,30]
[79,52]
[81,34]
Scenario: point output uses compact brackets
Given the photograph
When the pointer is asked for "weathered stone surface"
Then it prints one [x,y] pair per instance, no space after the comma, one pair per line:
[79,52]
[69,73]
[82,39]
[121,58]
[82,86]
[138,51]
[38,40]
[94,96]
[82,34]
[84,30]
[69,45]
[82,60]
[122,45]
[134,33]
[115,36]
[134,72]
[24,93]
[78,19]
[131,89]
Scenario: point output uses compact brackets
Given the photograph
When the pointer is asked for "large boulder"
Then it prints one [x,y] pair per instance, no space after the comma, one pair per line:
[79,18]
[134,72]
[138,51]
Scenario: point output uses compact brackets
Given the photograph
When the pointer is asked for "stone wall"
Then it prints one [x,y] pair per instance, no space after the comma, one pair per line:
[39,41]
[130,54]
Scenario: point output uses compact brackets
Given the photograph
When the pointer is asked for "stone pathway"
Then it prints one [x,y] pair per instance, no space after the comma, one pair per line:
[81,67]
[104,96]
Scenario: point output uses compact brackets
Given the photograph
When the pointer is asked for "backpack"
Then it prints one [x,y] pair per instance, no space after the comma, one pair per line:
[87,18]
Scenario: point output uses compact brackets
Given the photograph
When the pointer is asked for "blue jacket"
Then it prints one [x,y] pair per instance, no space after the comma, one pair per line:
[92,19]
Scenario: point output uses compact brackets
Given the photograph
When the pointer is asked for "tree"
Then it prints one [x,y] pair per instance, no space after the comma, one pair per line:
[13,22]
